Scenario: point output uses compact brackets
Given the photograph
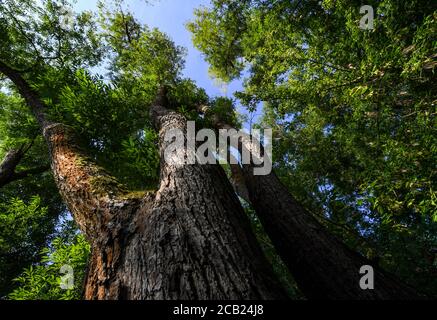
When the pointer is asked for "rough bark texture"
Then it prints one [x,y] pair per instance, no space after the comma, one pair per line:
[194,240]
[191,239]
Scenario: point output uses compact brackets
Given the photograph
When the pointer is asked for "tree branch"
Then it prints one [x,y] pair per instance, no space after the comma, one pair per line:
[10,163]
[29,172]
[31,98]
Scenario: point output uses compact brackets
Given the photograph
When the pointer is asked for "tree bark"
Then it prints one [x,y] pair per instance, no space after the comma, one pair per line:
[323,267]
[191,239]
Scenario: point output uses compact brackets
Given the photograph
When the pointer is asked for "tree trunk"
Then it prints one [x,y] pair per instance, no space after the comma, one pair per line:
[322,266]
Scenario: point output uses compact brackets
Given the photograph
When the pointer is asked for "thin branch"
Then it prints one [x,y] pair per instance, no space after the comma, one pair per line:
[29,172]
[23,33]
[33,101]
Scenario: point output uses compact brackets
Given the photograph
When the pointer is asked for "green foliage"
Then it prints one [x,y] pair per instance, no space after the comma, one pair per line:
[17,125]
[141,155]
[224,109]
[353,114]
[185,96]
[89,101]
[141,57]
[216,33]
[25,217]
[43,281]
[23,230]
[32,32]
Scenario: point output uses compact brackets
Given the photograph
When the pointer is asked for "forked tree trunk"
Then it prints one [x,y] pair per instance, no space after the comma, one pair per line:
[189,240]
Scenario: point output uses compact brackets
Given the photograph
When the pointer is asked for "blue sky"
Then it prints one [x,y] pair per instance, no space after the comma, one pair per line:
[170,16]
